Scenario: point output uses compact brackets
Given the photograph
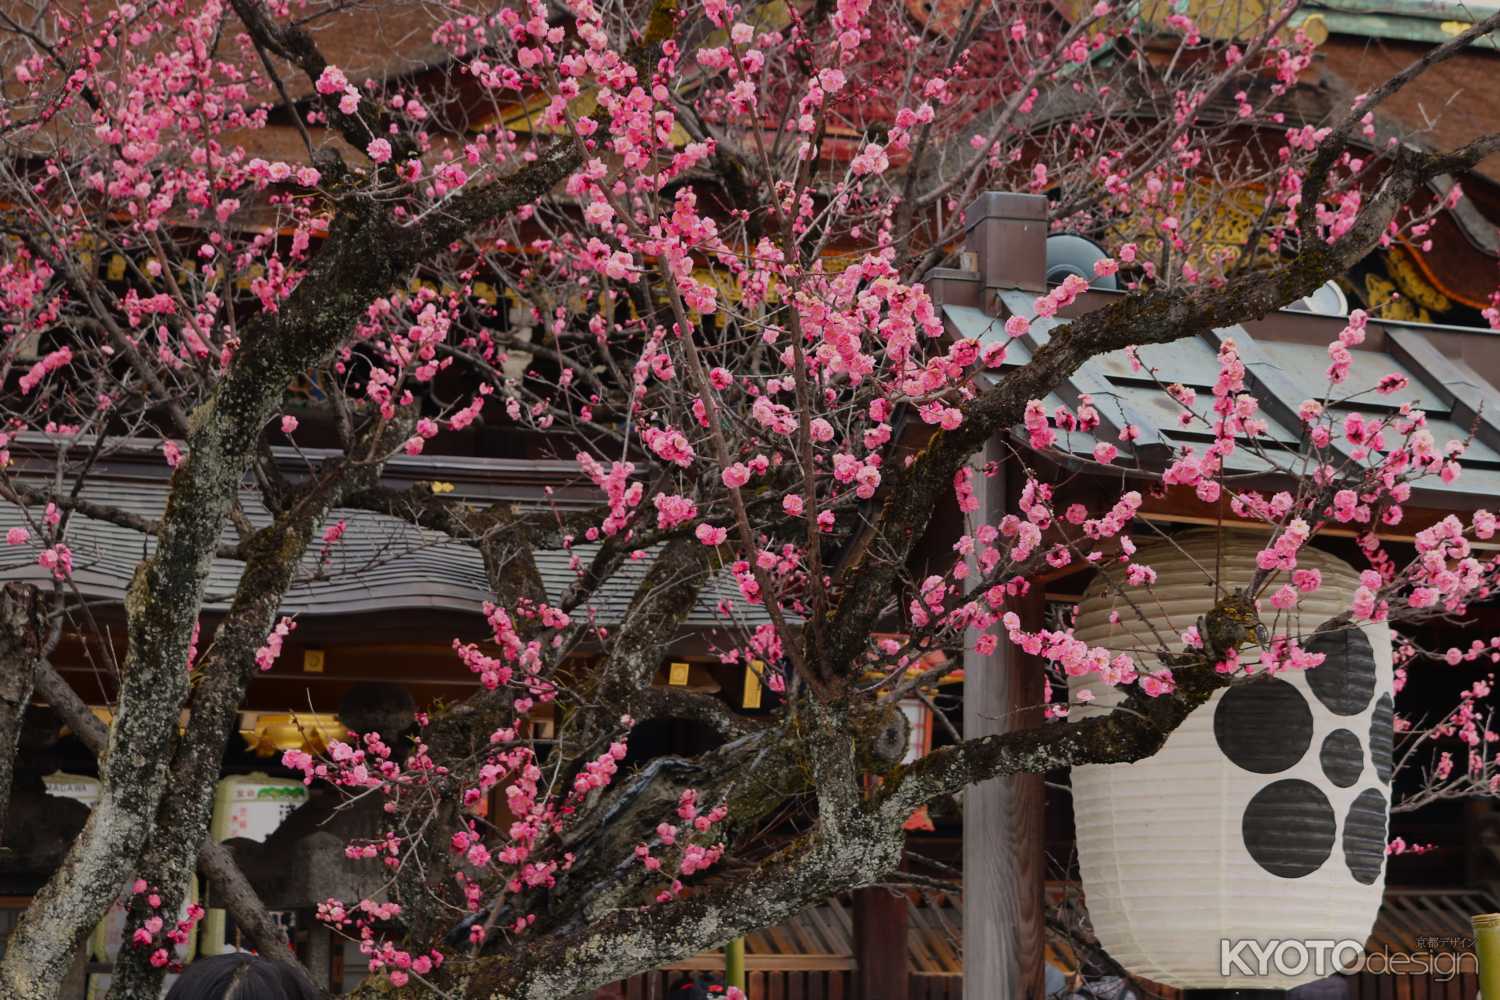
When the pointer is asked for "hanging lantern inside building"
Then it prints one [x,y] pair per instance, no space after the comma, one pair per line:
[1263,818]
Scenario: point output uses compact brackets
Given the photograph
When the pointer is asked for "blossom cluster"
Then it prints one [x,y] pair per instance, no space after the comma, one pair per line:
[152,929]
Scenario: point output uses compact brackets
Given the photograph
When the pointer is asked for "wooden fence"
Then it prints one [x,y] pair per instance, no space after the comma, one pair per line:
[1368,986]
[828,984]
[937,986]
[811,956]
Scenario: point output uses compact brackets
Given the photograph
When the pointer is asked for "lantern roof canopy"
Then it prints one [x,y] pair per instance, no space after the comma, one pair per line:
[1452,373]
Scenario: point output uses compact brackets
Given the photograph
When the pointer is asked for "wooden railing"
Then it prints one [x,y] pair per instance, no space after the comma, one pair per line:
[816,984]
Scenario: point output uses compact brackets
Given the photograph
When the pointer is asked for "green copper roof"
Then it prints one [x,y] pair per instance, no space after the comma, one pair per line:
[1404,20]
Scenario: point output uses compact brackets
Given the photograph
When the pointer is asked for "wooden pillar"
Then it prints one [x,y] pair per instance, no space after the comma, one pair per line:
[1003,871]
[880,946]
[1478,817]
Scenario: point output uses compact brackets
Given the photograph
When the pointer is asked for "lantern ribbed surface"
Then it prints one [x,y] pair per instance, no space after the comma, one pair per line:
[1264,815]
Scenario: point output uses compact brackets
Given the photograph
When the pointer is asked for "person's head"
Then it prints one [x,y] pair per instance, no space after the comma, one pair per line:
[242,976]
[697,986]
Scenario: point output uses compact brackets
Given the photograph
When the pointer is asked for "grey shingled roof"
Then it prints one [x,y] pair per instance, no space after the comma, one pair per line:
[1281,374]
[381,564]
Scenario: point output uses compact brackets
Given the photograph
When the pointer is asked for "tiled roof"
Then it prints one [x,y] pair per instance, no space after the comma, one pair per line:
[381,564]
[1282,373]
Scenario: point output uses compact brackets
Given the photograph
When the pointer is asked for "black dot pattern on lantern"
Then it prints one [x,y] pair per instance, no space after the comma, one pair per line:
[1364,836]
[1264,726]
[1345,680]
[1382,737]
[1342,757]
[1288,828]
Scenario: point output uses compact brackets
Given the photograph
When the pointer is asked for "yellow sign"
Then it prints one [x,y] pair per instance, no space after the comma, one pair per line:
[752,685]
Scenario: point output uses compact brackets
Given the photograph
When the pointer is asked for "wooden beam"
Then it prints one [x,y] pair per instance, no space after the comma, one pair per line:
[880,946]
[1232,523]
[1003,871]
[713,961]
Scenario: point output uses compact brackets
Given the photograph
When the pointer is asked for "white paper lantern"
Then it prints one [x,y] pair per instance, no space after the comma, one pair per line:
[1263,818]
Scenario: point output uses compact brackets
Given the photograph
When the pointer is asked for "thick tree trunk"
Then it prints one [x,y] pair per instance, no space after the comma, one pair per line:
[357,263]
[173,849]
[363,257]
[171,852]
[22,634]
[231,891]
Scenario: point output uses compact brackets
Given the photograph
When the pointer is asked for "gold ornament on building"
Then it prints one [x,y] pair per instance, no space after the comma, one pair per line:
[272,733]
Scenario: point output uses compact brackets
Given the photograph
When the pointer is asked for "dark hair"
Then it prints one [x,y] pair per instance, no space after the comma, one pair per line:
[242,976]
[697,986]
